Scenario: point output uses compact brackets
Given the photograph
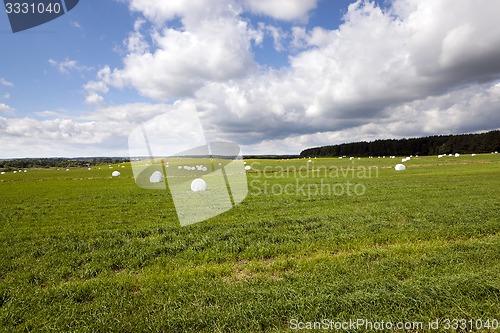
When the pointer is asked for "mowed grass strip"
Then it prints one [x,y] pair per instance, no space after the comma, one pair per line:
[82,251]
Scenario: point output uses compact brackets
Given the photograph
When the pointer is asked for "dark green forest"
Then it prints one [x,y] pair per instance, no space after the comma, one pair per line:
[432,145]
[58,162]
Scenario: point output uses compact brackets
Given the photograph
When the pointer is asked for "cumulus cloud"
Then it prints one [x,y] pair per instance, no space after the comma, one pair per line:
[6,83]
[6,109]
[282,9]
[216,47]
[276,33]
[416,67]
[379,62]
[94,99]
[66,66]
[103,132]
[58,137]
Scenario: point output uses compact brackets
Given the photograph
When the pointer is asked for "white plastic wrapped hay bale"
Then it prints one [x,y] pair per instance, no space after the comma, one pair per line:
[156,177]
[198,185]
[400,167]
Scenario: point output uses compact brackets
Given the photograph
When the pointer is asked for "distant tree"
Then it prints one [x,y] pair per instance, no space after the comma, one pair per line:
[432,145]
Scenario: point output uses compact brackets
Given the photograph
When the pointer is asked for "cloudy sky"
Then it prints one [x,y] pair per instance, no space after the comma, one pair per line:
[274,76]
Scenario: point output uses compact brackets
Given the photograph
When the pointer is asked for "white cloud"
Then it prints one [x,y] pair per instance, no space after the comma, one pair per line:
[191,12]
[75,24]
[66,66]
[420,67]
[103,132]
[6,109]
[6,83]
[347,80]
[51,114]
[95,89]
[94,99]
[282,9]
[276,34]
[133,113]
[6,96]
[183,61]
[58,137]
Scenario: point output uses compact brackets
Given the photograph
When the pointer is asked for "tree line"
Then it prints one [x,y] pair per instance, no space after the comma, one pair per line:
[432,145]
[58,162]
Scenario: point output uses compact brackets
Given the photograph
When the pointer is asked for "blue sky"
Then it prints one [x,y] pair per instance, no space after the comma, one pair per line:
[84,35]
[275,78]
[93,36]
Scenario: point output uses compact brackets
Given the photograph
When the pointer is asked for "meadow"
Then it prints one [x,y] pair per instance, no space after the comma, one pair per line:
[81,251]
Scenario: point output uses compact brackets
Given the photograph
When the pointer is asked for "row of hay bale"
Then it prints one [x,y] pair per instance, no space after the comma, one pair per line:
[17,171]
[199,167]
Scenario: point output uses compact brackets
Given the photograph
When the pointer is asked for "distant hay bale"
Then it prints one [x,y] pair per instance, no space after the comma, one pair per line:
[198,185]
[2,173]
[116,174]
[400,167]
[457,155]
[440,156]
[248,167]
[473,155]
[156,177]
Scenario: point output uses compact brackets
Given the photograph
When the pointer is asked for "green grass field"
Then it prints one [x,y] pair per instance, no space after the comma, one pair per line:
[81,251]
